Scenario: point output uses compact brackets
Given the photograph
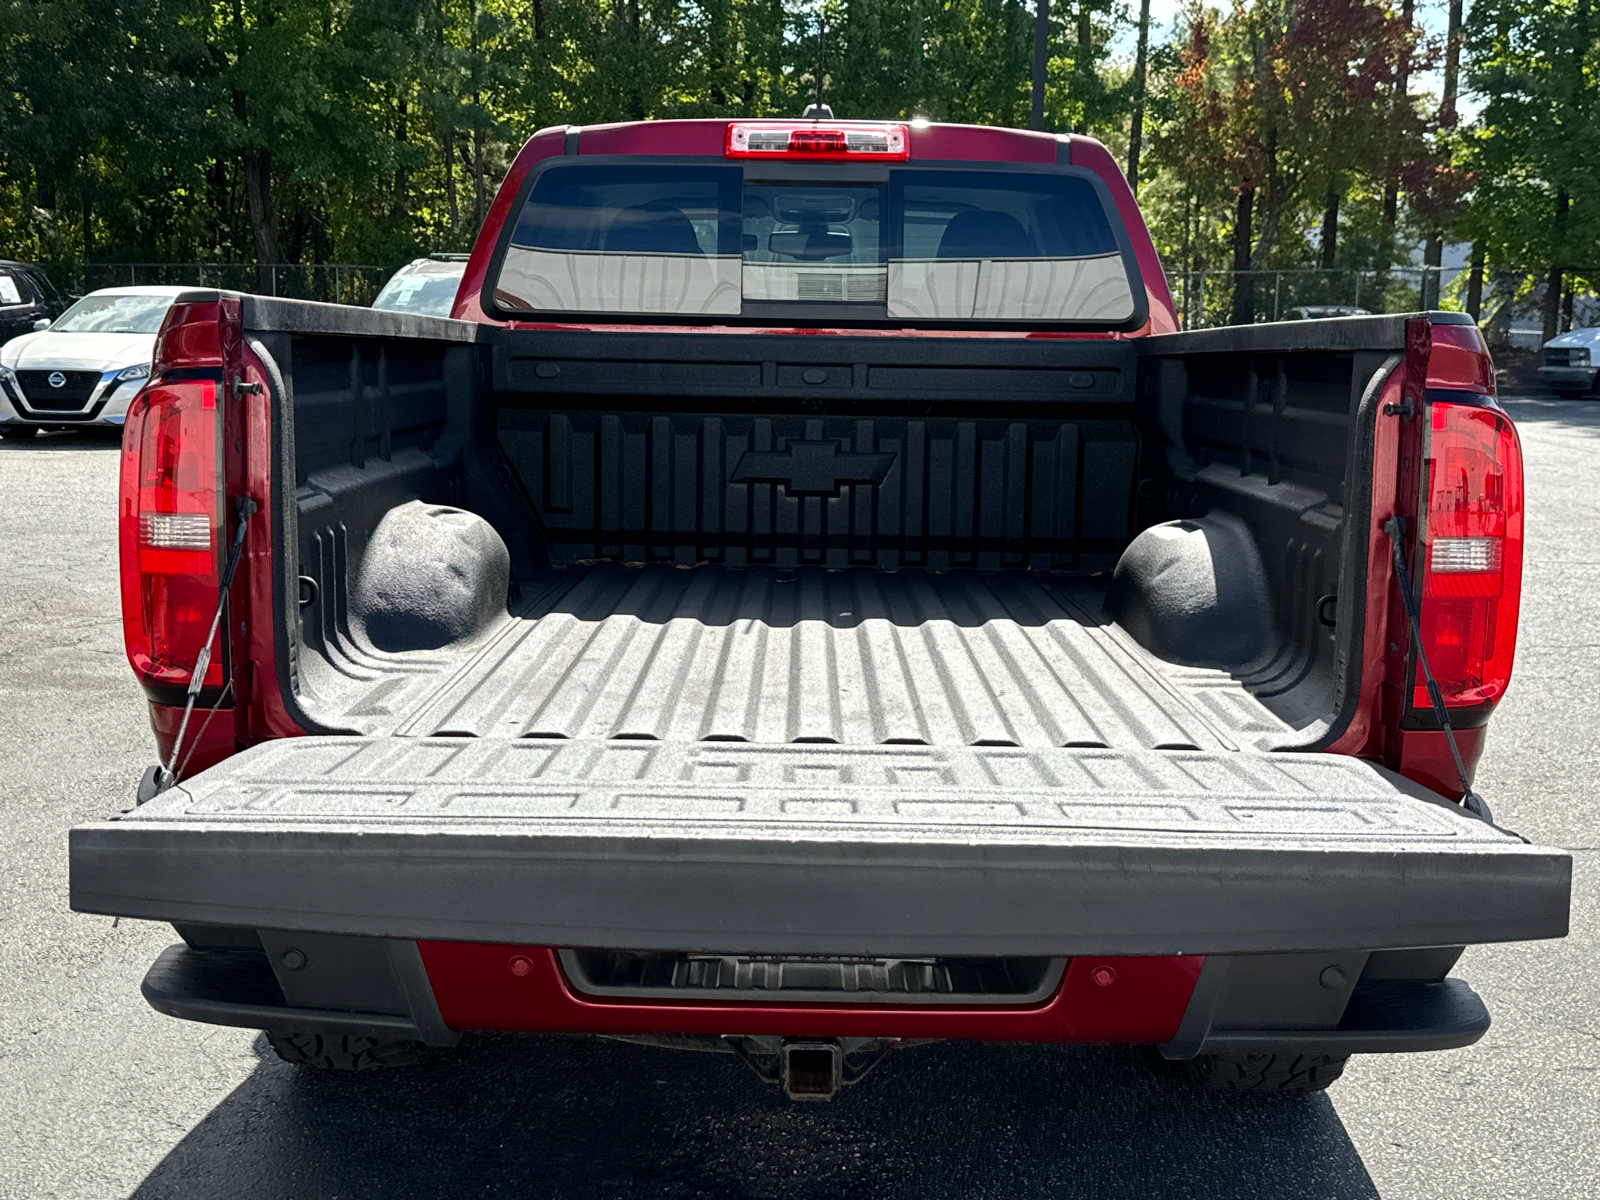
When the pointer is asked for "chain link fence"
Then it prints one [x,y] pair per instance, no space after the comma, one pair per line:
[1510,300]
[1207,298]
[337,283]
[1203,298]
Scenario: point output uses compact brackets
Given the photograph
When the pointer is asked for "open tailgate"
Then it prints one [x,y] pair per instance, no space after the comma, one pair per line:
[824,849]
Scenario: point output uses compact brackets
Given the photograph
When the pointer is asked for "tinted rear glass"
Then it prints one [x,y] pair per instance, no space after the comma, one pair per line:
[620,239]
[42,285]
[923,245]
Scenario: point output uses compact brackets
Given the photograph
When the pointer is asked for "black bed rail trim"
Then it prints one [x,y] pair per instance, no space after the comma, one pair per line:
[278,314]
[1384,331]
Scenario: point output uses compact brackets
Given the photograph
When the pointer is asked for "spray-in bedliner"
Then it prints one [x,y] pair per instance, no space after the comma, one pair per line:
[770,655]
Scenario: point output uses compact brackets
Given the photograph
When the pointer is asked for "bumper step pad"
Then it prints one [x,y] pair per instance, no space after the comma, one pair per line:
[820,849]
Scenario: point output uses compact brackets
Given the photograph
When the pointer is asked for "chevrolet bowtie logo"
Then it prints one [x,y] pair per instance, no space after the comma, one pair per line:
[812,468]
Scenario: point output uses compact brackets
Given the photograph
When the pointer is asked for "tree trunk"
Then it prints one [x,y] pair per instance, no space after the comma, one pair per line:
[1330,227]
[1082,64]
[1391,186]
[1433,251]
[1566,310]
[1552,288]
[478,207]
[1386,248]
[44,177]
[1244,298]
[1041,60]
[450,182]
[1552,304]
[635,104]
[1432,258]
[1452,65]
[538,20]
[1475,282]
[401,205]
[1272,215]
[1497,325]
[263,207]
[1141,63]
[44,187]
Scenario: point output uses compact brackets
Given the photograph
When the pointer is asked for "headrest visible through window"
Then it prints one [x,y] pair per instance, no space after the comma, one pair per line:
[655,228]
[980,233]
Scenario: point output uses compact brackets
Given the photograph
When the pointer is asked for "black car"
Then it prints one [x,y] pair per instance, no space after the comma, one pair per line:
[26,297]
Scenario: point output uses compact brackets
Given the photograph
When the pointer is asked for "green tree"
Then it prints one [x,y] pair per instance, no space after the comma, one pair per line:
[1535,150]
[1282,106]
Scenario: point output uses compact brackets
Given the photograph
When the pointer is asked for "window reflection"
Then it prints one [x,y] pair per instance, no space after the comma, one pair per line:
[927,244]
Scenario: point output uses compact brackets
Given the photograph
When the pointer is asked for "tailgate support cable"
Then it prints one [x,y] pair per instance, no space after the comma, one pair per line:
[159,778]
[1470,800]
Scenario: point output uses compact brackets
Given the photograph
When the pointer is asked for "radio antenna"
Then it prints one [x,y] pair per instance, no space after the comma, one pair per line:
[817,110]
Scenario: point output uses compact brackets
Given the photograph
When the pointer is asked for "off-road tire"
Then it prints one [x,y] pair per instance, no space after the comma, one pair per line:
[1268,1074]
[344,1052]
[17,432]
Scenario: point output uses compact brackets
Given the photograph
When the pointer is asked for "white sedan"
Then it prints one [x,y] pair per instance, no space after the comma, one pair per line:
[87,366]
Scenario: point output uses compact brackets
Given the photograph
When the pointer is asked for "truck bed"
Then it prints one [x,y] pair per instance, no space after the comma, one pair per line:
[771,655]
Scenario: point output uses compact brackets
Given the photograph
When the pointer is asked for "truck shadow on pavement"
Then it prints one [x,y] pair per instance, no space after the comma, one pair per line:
[1579,414]
[582,1117]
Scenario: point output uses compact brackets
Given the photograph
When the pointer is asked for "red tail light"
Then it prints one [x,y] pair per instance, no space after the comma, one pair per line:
[836,140]
[1472,551]
[171,530]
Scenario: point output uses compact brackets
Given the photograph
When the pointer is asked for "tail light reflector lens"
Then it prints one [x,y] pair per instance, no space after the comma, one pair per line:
[836,140]
[171,530]
[1472,551]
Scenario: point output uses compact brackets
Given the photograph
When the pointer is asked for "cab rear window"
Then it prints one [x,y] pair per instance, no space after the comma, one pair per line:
[914,245]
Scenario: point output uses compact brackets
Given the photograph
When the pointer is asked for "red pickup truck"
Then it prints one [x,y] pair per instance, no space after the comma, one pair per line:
[811,599]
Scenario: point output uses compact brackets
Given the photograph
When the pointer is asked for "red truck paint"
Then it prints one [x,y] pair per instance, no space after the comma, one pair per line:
[1459,360]
[965,143]
[486,987]
[1088,153]
[544,144]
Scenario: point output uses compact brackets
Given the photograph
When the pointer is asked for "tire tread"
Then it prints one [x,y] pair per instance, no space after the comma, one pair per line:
[1269,1074]
[343,1052]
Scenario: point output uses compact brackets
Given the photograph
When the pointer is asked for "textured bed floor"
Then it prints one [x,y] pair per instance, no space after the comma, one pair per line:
[854,656]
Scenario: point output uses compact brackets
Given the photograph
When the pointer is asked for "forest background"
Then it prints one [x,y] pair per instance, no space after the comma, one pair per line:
[1264,135]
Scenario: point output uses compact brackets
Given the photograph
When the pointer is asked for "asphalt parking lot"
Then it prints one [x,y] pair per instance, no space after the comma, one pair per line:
[101,1097]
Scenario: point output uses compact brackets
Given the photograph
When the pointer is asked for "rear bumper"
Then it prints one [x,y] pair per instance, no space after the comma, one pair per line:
[1404,1016]
[713,847]
[1098,1000]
